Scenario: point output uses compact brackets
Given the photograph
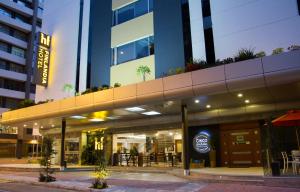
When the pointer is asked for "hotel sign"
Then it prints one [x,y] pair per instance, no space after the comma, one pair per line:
[201,142]
[42,60]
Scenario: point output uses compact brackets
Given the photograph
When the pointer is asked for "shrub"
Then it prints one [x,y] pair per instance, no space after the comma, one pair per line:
[294,48]
[117,85]
[244,54]
[228,60]
[260,54]
[195,64]
[25,103]
[277,51]
[179,70]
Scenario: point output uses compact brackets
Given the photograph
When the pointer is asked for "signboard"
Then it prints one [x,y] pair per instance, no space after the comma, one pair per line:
[201,142]
[42,60]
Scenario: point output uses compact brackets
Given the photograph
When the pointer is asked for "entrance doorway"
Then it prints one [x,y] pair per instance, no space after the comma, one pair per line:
[240,145]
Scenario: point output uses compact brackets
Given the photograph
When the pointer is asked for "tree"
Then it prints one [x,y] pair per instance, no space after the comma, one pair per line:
[142,70]
[47,154]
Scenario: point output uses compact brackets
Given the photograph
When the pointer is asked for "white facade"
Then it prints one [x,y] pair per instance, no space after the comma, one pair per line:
[61,21]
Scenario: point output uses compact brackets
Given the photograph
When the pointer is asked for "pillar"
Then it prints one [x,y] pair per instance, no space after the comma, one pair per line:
[185,139]
[62,146]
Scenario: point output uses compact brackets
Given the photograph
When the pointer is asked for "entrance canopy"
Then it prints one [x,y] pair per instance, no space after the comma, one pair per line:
[251,89]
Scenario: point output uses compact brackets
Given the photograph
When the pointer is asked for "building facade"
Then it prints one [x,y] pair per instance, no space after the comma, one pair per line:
[199,102]
[20,20]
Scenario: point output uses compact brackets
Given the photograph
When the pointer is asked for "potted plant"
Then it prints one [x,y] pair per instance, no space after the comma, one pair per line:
[45,162]
[143,70]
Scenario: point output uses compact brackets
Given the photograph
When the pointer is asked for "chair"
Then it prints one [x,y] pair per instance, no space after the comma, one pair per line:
[296,161]
[286,162]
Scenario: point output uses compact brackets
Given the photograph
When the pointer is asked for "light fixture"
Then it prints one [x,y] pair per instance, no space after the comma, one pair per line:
[208,106]
[78,117]
[240,95]
[170,133]
[135,109]
[157,134]
[42,127]
[35,124]
[151,113]
[96,120]
[52,125]
[113,117]
[25,125]
[197,101]
[247,101]
[121,52]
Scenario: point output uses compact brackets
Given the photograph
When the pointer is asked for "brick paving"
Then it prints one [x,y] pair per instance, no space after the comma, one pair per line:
[135,182]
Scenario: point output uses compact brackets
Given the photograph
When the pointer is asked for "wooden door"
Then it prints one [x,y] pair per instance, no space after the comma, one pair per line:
[240,147]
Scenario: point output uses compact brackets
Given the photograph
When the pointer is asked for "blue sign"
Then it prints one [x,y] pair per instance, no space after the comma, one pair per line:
[201,142]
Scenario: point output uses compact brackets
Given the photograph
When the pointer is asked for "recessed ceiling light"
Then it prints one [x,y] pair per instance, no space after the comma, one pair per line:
[25,125]
[78,117]
[96,120]
[35,124]
[197,101]
[42,127]
[247,101]
[208,106]
[170,133]
[157,134]
[135,109]
[113,117]
[121,52]
[151,113]
[52,125]
[240,95]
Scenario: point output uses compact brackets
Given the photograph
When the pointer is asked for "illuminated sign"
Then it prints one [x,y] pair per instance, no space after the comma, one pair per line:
[201,142]
[42,60]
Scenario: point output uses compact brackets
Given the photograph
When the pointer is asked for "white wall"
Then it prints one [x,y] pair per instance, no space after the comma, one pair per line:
[261,24]
[61,21]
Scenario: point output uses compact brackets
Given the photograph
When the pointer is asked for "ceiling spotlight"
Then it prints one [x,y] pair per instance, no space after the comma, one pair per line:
[151,113]
[170,133]
[208,106]
[42,127]
[25,125]
[157,134]
[35,124]
[78,117]
[134,109]
[240,95]
[96,120]
[52,125]
[197,101]
[247,101]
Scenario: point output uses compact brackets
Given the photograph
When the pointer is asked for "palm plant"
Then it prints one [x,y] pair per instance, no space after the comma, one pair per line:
[142,70]
[45,162]
[68,88]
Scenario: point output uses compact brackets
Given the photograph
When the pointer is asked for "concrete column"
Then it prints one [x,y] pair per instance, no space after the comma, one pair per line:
[185,140]
[62,145]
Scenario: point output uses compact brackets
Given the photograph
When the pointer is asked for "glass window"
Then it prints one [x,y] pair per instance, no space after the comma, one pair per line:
[126,13]
[5,12]
[2,64]
[4,29]
[142,49]
[125,53]
[4,47]
[141,7]
[29,131]
[131,11]
[135,50]
[18,51]
[21,18]
[17,68]
[20,35]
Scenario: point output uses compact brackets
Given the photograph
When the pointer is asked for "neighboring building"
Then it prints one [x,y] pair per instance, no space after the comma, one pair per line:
[98,43]
[20,20]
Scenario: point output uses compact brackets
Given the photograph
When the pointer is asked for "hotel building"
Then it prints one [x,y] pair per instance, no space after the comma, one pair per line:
[200,101]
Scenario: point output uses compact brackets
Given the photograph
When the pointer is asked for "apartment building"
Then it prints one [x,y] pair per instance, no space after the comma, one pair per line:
[20,20]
